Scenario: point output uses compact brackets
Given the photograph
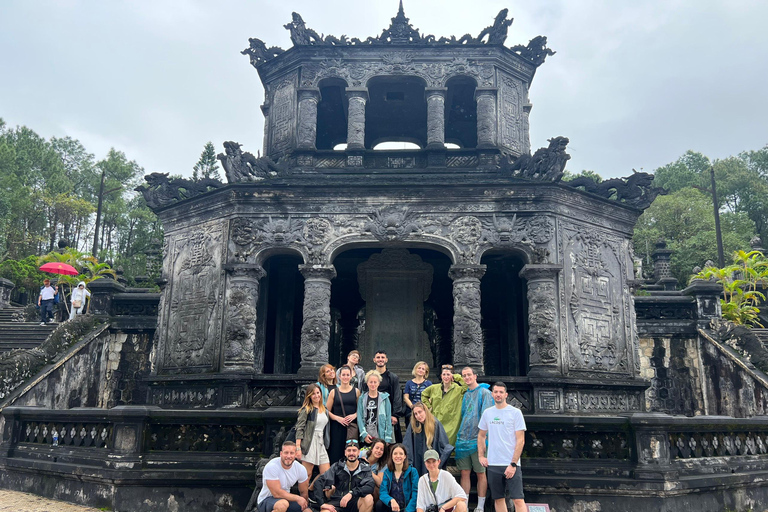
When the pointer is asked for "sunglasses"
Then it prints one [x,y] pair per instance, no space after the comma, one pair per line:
[352,441]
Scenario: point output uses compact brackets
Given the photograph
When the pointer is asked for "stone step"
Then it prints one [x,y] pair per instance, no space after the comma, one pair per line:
[762,334]
[7,314]
[24,335]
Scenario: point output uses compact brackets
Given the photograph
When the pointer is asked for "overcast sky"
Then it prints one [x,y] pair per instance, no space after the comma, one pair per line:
[633,84]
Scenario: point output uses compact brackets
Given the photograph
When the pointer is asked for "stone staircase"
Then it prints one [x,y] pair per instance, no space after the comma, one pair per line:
[762,334]
[21,334]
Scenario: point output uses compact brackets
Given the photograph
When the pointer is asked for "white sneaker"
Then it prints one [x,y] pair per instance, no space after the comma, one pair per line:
[42,323]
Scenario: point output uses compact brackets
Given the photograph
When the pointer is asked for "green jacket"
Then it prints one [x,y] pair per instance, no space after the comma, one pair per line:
[305,428]
[446,408]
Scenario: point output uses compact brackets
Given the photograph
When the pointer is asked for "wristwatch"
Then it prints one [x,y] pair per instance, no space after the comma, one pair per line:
[513,464]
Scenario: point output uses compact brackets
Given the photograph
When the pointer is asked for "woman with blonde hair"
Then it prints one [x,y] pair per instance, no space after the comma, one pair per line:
[425,432]
[312,432]
[326,380]
[415,386]
[374,411]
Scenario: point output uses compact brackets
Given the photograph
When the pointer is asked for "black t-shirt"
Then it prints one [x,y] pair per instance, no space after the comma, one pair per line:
[372,416]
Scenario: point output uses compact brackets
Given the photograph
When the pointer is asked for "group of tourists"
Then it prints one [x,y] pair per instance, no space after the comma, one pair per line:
[349,427]
[48,299]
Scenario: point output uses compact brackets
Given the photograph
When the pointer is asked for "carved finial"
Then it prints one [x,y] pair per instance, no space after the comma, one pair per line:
[400,11]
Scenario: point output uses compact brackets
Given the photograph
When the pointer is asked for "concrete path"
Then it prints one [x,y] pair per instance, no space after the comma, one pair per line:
[11,501]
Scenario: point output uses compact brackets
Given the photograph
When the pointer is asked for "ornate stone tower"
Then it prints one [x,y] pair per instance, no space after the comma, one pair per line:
[459,247]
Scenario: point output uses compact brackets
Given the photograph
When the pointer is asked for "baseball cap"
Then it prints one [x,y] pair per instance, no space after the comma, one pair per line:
[431,454]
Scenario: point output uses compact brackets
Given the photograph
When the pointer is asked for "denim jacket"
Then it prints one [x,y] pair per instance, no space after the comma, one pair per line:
[384,417]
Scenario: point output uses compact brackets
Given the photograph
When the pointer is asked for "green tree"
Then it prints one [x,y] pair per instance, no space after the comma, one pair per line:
[685,219]
[741,299]
[207,166]
[568,176]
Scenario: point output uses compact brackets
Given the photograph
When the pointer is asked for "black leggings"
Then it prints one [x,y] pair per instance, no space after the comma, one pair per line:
[381,507]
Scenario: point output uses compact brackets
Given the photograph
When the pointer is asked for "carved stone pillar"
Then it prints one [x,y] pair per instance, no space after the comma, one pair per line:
[6,287]
[436,117]
[357,96]
[543,318]
[486,117]
[467,332]
[240,318]
[308,99]
[316,328]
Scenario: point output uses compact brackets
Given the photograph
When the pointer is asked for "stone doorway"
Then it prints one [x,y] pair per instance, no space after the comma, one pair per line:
[398,300]
[504,306]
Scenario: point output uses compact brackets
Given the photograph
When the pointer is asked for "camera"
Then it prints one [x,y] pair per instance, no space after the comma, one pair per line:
[432,508]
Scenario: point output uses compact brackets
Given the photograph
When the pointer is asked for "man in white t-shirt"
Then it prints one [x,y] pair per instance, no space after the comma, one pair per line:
[280,474]
[504,427]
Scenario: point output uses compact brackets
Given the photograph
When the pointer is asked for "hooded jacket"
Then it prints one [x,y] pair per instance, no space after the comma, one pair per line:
[78,294]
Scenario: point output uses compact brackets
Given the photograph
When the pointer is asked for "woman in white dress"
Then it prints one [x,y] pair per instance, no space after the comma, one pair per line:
[313,434]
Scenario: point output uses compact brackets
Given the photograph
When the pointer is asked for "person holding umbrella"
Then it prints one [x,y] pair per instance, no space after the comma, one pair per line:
[53,267]
[45,301]
[77,299]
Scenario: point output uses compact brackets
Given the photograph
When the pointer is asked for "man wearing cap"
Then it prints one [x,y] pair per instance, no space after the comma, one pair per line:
[348,484]
[504,427]
[438,490]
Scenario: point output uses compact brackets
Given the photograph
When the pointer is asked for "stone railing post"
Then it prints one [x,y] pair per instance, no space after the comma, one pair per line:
[102,290]
[316,328]
[543,318]
[707,295]
[309,97]
[6,287]
[651,437]
[486,117]
[358,97]
[242,298]
[467,332]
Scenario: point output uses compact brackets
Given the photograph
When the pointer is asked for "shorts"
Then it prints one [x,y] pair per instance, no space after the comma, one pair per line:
[351,506]
[470,462]
[501,487]
[268,504]
[316,454]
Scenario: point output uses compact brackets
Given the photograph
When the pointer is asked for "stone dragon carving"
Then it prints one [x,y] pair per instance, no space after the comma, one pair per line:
[535,52]
[546,164]
[636,190]
[242,166]
[161,190]
[259,53]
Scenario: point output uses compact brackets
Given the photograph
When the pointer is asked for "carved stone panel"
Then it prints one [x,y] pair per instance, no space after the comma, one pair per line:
[511,118]
[190,332]
[394,285]
[282,124]
[598,303]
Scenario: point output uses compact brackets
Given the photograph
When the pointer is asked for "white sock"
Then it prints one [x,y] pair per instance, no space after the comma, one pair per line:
[481,502]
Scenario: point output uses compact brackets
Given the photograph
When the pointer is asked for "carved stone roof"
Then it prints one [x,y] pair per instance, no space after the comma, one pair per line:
[401,32]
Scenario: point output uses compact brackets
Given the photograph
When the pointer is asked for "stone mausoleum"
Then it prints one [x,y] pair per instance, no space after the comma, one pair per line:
[458,246]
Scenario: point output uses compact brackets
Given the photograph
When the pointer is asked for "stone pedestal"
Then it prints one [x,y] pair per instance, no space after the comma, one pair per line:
[6,287]
[307,133]
[316,327]
[240,319]
[543,319]
[358,97]
[486,117]
[467,332]
[707,295]
[102,292]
